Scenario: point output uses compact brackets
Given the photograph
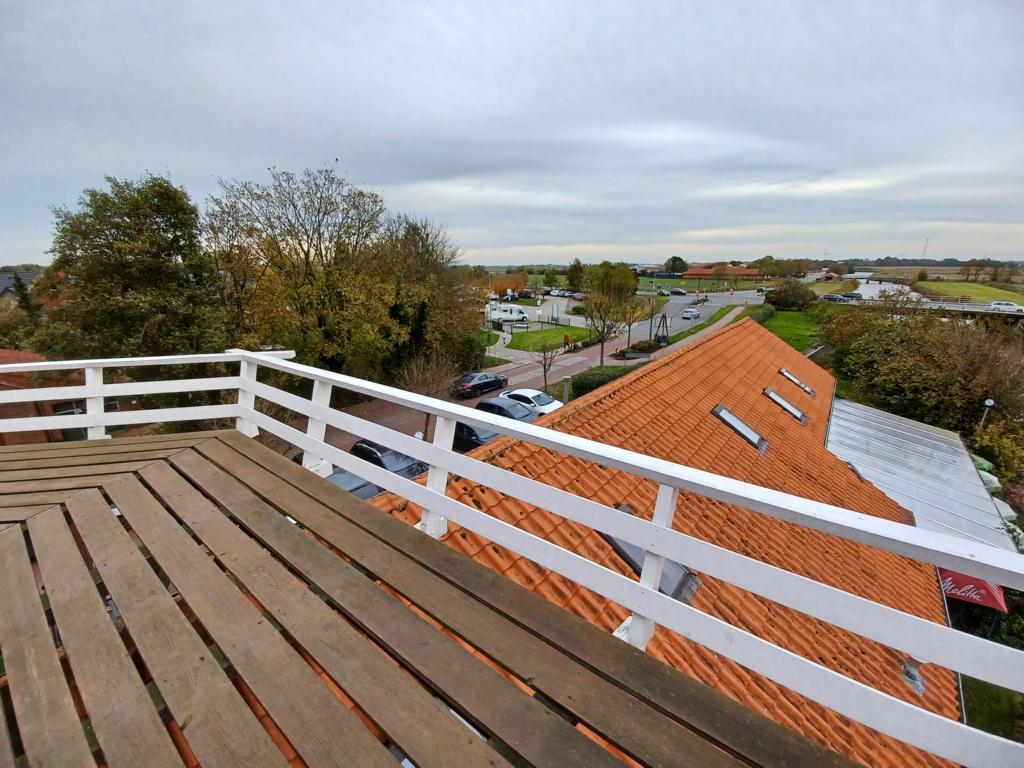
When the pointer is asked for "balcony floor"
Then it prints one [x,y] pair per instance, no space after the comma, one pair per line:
[159,607]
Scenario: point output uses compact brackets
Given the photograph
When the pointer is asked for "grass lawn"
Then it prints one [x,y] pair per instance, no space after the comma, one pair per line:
[718,315]
[493,362]
[798,329]
[486,338]
[532,341]
[990,707]
[843,286]
[977,292]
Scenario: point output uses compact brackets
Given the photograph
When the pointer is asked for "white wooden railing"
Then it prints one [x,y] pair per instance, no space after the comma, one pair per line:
[918,638]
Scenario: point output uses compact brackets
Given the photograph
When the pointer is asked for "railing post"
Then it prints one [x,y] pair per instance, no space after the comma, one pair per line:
[317,430]
[246,399]
[432,523]
[641,629]
[94,402]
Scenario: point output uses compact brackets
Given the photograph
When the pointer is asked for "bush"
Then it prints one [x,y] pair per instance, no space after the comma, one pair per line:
[762,313]
[791,295]
[577,310]
[589,380]
[645,345]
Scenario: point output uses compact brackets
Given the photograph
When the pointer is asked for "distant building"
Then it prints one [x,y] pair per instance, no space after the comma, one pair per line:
[706,272]
[7,293]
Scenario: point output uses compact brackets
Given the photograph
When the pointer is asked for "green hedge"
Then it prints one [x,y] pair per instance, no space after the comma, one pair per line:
[591,379]
[762,313]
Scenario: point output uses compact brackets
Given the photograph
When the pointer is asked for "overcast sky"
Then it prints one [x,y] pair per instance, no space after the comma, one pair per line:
[542,131]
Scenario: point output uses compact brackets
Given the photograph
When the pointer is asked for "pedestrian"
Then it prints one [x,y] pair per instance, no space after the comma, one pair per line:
[566,343]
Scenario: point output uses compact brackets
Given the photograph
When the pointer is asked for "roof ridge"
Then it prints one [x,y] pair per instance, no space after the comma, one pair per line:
[609,389]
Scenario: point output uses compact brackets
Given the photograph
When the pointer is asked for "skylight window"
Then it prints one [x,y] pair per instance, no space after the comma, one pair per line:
[741,428]
[797,381]
[677,581]
[787,406]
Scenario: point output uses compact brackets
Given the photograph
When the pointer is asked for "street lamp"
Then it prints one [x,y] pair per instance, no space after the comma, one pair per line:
[988,404]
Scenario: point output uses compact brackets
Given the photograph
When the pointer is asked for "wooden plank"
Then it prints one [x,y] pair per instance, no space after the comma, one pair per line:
[101,445]
[57,483]
[124,718]
[51,733]
[33,499]
[221,729]
[420,724]
[726,722]
[77,459]
[18,514]
[83,470]
[99,448]
[320,728]
[641,731]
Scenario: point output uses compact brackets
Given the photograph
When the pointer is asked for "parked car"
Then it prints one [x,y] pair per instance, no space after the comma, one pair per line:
[678,292]
[354,484]
[476,383]
[836,297]
[579,296]
[690,313]
[386,458]
[1005,306]
[763,289]
[853,296]
[468,437]
[534,399]
[389,459]
[502,406]
[663,292]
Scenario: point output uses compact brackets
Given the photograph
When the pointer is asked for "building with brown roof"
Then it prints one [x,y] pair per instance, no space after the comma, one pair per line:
[669,409]
[706,272]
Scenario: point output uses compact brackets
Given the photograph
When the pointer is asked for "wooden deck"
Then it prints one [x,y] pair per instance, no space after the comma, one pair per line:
[199,600]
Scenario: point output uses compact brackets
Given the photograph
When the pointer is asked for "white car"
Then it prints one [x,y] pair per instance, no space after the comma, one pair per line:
[690,313]
[1005,306]
[537,401]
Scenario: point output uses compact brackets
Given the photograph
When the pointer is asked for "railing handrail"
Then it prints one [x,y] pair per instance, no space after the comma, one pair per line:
[231,356]
[923,640]
[982,560]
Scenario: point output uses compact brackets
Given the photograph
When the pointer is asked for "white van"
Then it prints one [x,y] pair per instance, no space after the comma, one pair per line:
[508,313]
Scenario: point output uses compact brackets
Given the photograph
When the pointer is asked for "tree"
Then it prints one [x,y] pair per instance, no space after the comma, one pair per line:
[130,277]
[427,373]
[550,277]
[24,302]
[718,272]
[676,264]
[574,275]
[545,356]
[791,294]
[362,290]
[610,287]
[634,309]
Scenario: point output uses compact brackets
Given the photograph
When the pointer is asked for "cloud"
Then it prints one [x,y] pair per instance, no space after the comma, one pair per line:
[537,130]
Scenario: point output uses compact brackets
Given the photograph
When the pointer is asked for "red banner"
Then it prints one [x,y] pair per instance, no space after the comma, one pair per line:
[972,590]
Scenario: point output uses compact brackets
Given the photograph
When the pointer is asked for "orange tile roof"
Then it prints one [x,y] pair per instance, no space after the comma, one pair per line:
[664,409]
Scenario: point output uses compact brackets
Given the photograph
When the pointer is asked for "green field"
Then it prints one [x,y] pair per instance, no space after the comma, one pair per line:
[977,292]
[486,338]
[798,329]
[843,286]
[718,315]
[532,341]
